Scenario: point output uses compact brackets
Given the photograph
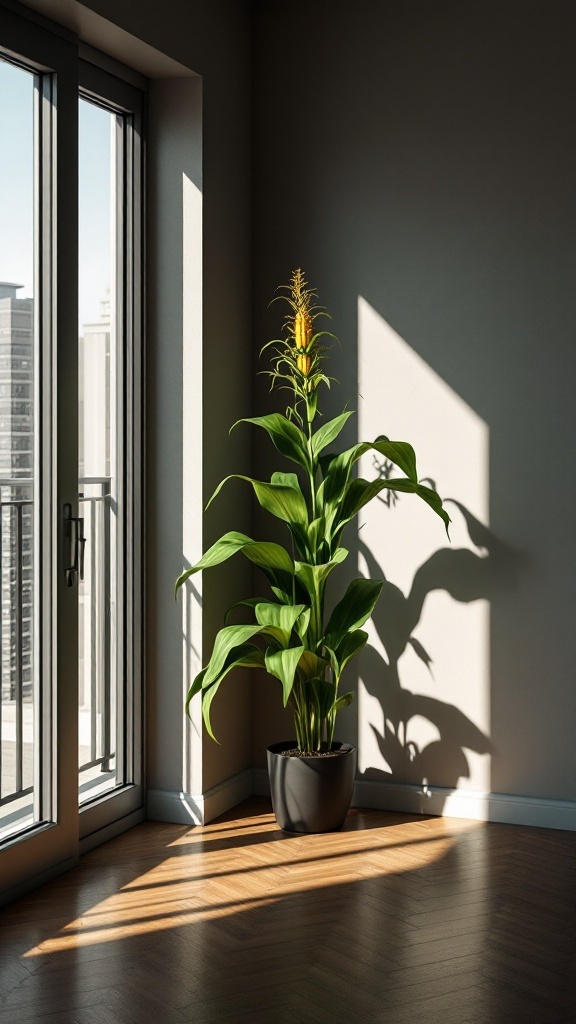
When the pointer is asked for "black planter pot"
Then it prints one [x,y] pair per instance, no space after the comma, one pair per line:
[311,794]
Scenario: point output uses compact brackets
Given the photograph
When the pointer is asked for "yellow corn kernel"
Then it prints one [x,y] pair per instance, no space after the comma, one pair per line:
[303,364]
[302,329]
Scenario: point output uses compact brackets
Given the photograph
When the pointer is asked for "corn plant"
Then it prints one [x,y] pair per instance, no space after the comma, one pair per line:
[293,636]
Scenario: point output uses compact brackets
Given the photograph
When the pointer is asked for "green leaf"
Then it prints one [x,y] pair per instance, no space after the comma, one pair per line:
[314,576]
[343,499]
[343,701]
[194,689]
[352,611]
[282,592]
[337,469]
[226,640]
[244,656]
[264,554]
[283,502]
[328,432]
[311,665]
[316,533]
[312,407]
[285,435]
[324,695]
[279,618]
[334,665]
[313,712]
[433,499]
[299,530]
[359,492]
[302,623]
[400,453]
[287,480]
[281,615]
[286,588]
[267,555]
[282,665]
[348,647]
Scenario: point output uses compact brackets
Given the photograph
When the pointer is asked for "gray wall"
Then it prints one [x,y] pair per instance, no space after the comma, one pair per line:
[213,41]
[419,161]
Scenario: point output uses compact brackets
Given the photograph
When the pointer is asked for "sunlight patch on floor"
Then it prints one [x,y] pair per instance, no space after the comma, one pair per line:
[205,884]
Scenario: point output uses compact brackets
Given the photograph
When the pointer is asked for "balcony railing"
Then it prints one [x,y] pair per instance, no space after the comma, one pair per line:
[16,640]
[95,634]
[16,554]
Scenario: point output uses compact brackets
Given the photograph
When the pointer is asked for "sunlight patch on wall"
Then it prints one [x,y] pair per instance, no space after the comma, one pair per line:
[429,666]
[370,710]
[192,503]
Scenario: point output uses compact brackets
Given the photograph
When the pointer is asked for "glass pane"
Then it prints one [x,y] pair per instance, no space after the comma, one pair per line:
[18,490]
[100,497]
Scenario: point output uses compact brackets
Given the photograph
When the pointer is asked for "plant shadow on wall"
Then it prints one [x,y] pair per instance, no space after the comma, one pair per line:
[466,576]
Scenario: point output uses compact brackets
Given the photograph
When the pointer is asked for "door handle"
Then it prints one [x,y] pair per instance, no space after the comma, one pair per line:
[74,545]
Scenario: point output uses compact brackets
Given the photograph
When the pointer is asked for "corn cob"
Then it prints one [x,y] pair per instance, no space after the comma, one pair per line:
[302,328]
[303,363]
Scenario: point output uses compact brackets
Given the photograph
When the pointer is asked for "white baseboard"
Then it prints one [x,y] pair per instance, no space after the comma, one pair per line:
[526,810]
[199,809]
[466,803]
[176,808]
[102,835]
[227,794]
[453,803]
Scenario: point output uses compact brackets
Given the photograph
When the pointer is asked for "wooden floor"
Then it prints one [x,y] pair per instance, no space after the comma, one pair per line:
[393,920]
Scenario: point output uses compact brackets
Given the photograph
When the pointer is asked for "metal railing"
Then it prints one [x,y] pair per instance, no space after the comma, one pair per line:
[16,598]
[16,633]
[95,623]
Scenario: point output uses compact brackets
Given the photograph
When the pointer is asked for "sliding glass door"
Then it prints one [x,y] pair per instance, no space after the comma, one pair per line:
[20,439]
[70,430]
[109,332]
[38,257]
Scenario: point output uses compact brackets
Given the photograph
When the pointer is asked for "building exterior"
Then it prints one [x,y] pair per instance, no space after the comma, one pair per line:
[95,467]
[16,489]
[17,514]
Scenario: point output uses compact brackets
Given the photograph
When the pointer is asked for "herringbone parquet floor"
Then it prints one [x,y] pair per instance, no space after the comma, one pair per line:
[393,920]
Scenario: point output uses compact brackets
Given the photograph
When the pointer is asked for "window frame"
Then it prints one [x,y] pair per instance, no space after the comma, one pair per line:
[50,844]
[118,95]
[53,844]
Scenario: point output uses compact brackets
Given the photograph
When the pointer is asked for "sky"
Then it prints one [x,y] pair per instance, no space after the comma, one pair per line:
[16,176]
[94,131]
[17,192]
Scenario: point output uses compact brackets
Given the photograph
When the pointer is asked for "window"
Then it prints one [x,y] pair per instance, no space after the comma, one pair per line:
[22,137]
[110,119]
[61,399]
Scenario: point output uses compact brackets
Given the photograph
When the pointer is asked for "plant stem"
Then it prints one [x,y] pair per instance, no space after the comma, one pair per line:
[313,467]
